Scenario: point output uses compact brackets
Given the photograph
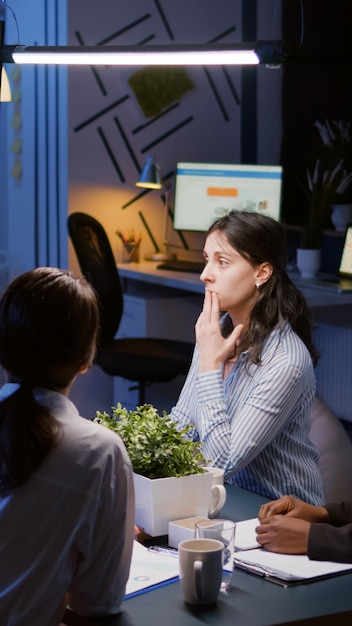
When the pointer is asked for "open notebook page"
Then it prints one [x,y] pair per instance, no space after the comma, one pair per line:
[245,535]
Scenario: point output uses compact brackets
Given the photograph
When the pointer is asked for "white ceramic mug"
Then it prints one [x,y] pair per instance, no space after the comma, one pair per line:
[200,565]
[218,491]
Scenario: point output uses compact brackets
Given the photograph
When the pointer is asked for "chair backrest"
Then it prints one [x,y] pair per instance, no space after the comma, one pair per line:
[335,448]
[97,264]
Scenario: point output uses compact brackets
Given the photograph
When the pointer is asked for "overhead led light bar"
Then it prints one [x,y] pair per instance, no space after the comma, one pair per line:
[270,53]
[226,54]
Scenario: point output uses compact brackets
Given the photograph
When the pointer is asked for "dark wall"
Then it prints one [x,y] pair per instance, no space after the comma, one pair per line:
[312,91]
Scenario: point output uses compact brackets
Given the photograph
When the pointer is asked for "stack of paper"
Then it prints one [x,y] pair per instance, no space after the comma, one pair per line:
[245,535]
[287,568]
[150,568]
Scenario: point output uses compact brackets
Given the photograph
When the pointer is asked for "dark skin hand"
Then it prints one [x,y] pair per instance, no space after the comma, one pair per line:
[285,524]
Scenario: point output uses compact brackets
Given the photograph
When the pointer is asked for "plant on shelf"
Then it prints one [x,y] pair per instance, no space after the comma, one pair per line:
[323,185]
[156,447]
[328,180]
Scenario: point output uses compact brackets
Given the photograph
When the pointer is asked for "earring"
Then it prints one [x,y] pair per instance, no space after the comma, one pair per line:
[257,285]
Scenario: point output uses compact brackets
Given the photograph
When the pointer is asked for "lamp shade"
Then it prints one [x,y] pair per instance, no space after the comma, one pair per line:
[150,176]
[5,89]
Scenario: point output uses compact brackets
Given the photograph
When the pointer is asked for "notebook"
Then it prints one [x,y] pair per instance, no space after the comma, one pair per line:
[287,569]
[150,568]
[342,283]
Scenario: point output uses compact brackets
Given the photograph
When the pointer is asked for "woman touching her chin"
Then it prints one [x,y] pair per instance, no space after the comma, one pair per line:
[251,383]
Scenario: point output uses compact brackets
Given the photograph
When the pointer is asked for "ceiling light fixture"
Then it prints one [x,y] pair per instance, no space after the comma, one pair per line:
[212,54]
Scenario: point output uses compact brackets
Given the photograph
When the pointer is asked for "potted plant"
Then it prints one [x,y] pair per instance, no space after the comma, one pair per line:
[328,180]
[322,187]
[170,482]
[320,192]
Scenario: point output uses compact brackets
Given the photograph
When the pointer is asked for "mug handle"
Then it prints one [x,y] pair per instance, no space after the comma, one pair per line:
[219,494]
[197,580]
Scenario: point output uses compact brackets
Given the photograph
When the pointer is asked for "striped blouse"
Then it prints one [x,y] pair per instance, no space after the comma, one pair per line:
[255,424]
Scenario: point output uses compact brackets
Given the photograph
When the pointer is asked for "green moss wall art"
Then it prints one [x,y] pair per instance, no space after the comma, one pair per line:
[155,88]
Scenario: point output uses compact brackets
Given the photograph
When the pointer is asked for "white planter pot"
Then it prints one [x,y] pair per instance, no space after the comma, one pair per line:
[161,500]
[341,216]
[308,262]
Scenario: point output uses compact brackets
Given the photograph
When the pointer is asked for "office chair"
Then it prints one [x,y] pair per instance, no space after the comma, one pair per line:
[144,360]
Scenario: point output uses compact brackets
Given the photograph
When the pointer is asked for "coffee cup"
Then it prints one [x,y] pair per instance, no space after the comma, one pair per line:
[218,491]
[200,565]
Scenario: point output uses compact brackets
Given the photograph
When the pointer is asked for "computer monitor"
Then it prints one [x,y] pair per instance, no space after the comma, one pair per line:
[206,191]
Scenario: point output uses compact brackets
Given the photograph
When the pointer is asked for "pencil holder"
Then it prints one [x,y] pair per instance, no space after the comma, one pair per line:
[130,252]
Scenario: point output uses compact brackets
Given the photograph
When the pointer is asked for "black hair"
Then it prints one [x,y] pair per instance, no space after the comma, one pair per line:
[259,239]
[49,321]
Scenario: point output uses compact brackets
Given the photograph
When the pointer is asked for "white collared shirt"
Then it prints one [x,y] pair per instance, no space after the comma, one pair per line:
[70,527]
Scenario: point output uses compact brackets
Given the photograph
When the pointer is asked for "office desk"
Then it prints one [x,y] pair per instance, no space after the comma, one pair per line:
[252,601]
[328,308]
[147,272]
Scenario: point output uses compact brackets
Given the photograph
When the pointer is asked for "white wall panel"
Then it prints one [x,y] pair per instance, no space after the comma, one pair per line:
[36,203]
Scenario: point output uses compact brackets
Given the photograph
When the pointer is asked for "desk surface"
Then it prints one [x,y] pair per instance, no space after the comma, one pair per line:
[252,601]
[327,308]
[147,271]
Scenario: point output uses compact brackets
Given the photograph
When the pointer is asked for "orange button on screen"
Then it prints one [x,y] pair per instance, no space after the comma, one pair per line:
[229,192]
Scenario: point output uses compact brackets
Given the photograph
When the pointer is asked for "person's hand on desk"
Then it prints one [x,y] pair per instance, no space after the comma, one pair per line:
[293,507]
[283,534]
[285,524]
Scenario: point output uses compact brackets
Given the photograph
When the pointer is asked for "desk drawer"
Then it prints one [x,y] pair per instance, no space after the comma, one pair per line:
[155,316]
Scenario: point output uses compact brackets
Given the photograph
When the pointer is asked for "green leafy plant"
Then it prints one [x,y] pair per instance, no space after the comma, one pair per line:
[156,447]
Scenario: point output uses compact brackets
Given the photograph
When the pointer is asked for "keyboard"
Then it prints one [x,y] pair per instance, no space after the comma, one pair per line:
[182,265]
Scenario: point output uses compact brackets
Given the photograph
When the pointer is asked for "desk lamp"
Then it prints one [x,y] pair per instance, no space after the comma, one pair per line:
[5,89]
[150,179]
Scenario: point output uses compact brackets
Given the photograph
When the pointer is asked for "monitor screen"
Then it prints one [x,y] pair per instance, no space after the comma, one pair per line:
[206,191]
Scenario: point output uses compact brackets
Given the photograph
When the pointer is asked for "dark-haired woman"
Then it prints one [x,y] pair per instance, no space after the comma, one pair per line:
[66,487]
[251,384]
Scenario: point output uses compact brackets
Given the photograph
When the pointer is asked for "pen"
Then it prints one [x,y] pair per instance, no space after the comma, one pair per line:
[119,234]
[169,551]
[254,569]
[129,238]
[261,571]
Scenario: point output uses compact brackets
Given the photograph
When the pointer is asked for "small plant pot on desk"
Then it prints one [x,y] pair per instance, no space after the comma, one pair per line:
[341,216]
[162,500]
[308,262]
[169,480]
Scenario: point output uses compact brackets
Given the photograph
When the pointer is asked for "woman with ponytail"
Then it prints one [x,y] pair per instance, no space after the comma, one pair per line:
[66,488]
